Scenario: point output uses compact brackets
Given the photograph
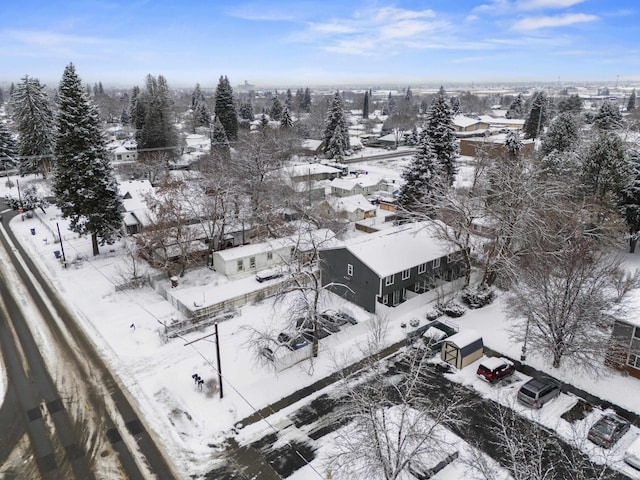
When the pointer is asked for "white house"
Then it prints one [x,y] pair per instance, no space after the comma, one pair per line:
[137,214]
[354,185]
[126,152]
[249,259]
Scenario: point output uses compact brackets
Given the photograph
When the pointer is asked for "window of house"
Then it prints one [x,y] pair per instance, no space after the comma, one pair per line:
[252,262]
[634,361]
[389,280]
[436,263]
[406,274]
[269,255]
[240,265]
[349,269]
[422,268]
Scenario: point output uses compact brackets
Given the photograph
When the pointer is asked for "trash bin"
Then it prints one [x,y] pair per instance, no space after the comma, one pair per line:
[56,253]
[174,282]
[33,231]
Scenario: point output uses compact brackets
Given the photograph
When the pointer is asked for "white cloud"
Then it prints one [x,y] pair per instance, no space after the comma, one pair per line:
[535,23]
[548,4]
[371,31]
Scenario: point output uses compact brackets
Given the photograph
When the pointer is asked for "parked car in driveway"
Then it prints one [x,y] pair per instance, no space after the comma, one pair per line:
[268,274]
[538,391]
[305,326]
[494,369]
[608,430]
[292,341]
[632,454]
[340,318]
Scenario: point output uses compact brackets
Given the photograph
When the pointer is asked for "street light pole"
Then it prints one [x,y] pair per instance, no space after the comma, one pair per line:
[523,356]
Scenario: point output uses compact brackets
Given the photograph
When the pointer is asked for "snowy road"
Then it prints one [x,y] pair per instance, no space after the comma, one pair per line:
[64,411]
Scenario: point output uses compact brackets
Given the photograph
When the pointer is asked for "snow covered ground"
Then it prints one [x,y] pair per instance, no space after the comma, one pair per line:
[127,325]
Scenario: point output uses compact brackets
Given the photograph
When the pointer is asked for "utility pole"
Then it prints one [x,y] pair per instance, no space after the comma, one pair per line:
[215,333]
[64,260]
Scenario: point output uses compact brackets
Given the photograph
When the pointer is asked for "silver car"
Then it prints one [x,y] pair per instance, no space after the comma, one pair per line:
[538,391]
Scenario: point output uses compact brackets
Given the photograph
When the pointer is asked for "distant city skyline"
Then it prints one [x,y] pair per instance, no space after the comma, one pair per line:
[300,43]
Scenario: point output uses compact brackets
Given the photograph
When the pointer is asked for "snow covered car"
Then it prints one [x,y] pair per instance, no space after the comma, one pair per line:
[268,274]
[292,342]
[632,455]
[494,369]
[608,430]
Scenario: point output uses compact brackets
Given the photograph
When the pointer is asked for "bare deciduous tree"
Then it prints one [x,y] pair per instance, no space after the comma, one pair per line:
[564,303]
[395,428]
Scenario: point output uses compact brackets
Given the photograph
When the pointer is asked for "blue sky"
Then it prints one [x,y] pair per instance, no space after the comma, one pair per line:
[300,43]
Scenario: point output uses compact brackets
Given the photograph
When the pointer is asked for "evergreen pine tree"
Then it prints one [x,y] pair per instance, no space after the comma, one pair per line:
[12,88]
[516,109]
[424,182]
[196,96]
[608,116]
[100,88]
[336,132]
[605,168]
[85,188]
[306,100]
[513,144]
[225,108]
[538,116]
[299,99]
[246,111]
[365,106]
[158,130]
[439,129]
[264,122]
[8,148]
[572,104]
[219,143]
[629,200]
[1,96]
[276,110]
[124,117]
[562,135]
[408,94]
[34,120]
[289,100]
[631,104]
[286,121]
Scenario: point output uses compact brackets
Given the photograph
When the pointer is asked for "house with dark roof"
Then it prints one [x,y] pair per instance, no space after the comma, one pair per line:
[386,267]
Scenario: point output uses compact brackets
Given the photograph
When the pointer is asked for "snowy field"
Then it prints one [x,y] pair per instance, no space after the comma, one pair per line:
[126,327]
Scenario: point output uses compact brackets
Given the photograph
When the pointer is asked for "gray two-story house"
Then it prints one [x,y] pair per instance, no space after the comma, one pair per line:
[381,267]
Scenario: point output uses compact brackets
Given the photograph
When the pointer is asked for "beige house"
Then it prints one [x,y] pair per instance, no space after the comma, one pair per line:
[356,185]
[354,208]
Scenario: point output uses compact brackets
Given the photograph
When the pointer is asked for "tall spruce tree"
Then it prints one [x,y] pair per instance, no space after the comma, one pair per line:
[336,131]
[85,188]
[516,109]
[538,116]
[608,116]
[365,106]
[276,110]
[225,108]
[605,167]
[219,142]
[8,148]
[306,100]
[424,182]
[439,129]
[286,121]
[629,200]
[34,119]
[158,130]
[562,135]
[631,104]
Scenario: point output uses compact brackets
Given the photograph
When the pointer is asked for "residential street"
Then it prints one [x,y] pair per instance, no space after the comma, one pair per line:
[79,422]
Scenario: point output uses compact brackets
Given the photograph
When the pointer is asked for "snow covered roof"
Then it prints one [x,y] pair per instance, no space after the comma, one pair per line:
[463,121]
[493,362]
[133,194]
[351,204]
[311,144]
[502,120]
[303,241]
[399,248]
[310,169]
[348,183]
[464,339]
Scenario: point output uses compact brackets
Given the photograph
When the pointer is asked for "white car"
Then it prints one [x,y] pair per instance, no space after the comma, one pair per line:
[632,455]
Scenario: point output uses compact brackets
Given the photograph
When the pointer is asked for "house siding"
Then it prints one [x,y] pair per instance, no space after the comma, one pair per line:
[362,286]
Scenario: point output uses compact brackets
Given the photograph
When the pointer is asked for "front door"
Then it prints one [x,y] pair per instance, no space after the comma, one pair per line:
[396,297]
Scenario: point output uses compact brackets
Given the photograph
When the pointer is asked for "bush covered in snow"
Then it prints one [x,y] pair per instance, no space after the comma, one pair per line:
[478,296]
[433,313]
[452,309]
